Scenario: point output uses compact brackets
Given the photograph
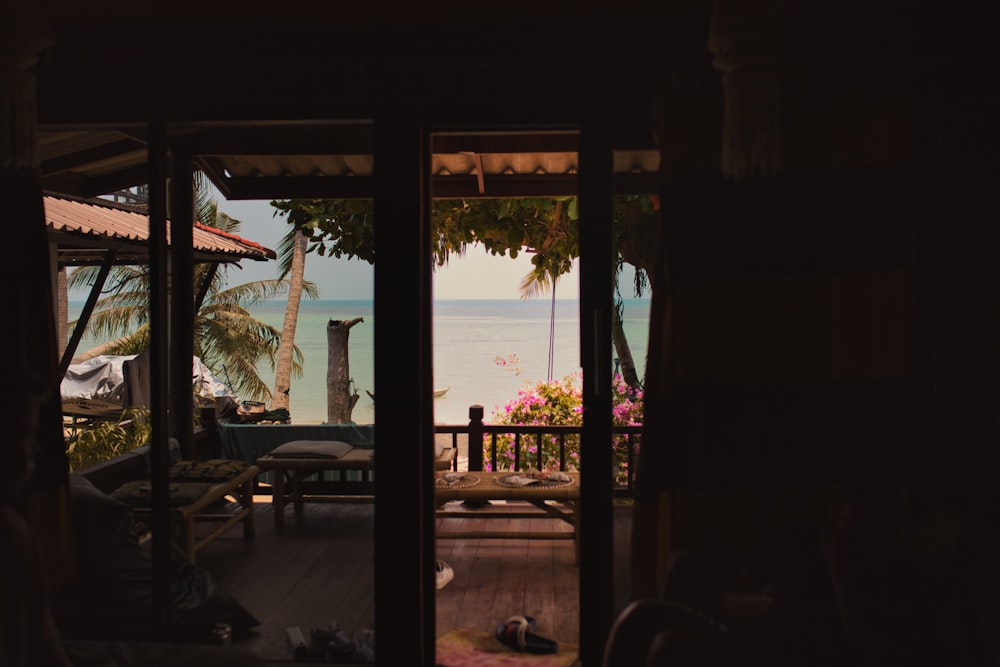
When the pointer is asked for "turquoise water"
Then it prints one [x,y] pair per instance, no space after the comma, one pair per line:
[469,336]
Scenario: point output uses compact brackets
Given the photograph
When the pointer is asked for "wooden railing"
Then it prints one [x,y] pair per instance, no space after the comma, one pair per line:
[516,447]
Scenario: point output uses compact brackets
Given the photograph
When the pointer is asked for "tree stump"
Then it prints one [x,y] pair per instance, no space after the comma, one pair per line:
[340,397]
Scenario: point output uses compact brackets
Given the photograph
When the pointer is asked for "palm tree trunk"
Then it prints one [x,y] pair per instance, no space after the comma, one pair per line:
[624,352]
[283,364]
[340,400]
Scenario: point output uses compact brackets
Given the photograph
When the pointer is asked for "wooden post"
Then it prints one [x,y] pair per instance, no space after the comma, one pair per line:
[36,472]
[475,437]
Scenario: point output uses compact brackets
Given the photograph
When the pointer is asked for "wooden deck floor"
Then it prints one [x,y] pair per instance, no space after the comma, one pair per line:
[320,569]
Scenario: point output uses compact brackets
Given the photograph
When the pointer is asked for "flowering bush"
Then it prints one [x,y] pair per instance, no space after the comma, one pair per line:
[559,403]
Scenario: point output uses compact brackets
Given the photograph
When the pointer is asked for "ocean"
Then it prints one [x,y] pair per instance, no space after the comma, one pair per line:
[470,340]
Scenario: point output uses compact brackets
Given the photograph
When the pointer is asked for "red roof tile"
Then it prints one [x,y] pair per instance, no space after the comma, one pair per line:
[83,229]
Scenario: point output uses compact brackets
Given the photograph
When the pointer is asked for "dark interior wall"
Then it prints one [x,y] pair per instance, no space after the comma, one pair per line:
[830,310]
[491,64]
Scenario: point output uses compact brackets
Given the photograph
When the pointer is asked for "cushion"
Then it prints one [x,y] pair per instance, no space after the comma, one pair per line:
[139,493]
[312,449]
[212,470]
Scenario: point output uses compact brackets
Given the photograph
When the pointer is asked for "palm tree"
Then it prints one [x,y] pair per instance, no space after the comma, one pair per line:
[292,265]
[544,277]
[231,342]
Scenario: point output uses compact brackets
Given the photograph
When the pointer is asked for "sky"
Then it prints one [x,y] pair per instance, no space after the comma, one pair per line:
[476,275]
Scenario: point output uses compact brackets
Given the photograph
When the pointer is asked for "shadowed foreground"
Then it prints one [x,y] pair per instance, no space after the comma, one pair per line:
[319,569]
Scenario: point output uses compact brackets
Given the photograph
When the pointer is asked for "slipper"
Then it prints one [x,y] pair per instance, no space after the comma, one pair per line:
[517,632]
[443,573]
[365,641]
[318,639]
[330,643]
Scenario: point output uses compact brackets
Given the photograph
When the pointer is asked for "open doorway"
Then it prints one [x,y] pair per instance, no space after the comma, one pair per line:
[506,337]
[507,322]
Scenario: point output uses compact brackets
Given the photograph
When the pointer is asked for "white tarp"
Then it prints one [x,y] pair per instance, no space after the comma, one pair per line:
[102,379]
[98,378]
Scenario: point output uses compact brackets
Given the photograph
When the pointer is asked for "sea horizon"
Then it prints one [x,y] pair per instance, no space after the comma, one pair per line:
[485,350]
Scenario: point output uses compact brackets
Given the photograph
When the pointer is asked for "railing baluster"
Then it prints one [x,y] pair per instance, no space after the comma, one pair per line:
[628,436]
[630,458]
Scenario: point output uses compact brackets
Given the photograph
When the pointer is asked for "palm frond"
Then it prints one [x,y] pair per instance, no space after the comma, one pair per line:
[249,294]
[112,321]
[535,283]
[286,249]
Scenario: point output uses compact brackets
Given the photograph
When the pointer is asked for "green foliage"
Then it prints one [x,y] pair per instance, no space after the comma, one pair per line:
[546,227]
[636,228]
[335,227]
[560,403]
[108,439]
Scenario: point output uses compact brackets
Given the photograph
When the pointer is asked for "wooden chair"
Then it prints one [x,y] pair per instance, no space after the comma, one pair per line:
[198,493]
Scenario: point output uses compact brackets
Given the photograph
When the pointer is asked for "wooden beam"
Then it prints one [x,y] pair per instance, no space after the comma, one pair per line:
[334,138]
[114,149]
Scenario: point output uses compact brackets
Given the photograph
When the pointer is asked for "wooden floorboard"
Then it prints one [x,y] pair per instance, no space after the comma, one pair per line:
[319,569]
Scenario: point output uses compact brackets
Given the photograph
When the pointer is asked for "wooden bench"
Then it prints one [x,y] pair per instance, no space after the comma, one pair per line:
[207,501]
[550,502]
[295,478]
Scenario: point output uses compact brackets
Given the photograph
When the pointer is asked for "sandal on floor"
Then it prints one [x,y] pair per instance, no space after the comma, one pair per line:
[443,573]
[331,644]
[365,641]
[517,632]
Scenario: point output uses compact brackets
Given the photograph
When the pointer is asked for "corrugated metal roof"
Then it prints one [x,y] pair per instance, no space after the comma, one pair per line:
[84,230]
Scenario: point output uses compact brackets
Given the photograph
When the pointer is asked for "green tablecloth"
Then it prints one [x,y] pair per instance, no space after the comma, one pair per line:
[246,442]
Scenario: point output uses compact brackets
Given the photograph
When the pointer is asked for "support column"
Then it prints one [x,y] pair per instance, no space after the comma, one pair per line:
[33,432]
[404,413]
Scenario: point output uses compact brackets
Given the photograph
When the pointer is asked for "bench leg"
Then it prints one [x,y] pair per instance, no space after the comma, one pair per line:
[187,538]
[278,498]
[576,529]
[246,500]
[295,491]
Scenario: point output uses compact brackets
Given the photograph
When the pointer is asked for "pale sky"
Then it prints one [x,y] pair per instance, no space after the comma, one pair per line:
[476,275]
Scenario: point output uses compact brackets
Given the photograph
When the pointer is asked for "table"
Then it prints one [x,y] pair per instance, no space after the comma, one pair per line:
[291,480]
[554,502]
[356,478]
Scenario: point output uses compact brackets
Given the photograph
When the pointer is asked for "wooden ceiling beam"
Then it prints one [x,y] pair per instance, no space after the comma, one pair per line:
[444,187]
[505,142]
[70,161]
[116,180]
[311,139]
[266,187]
